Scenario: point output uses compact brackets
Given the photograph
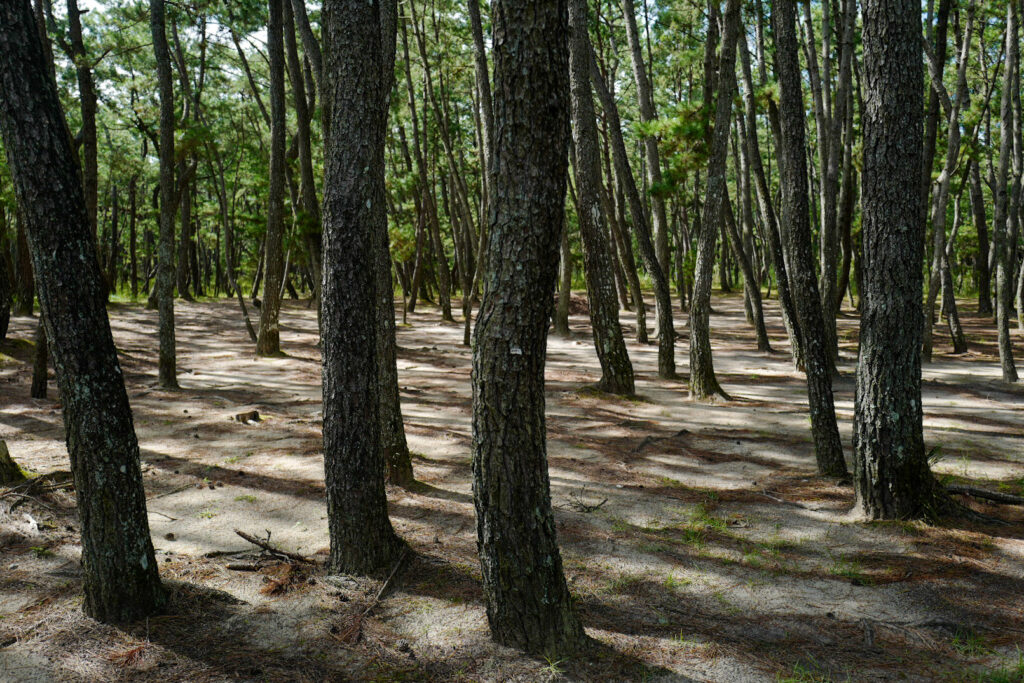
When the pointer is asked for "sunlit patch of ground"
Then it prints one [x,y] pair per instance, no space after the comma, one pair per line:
[695,537]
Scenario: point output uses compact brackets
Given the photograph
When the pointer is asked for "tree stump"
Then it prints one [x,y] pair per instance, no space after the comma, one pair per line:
[10,473]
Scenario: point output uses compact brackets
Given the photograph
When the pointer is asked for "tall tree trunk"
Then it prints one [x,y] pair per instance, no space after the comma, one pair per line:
[956,331]
[268,341]
[354,220]
[751,284]
[183,270]
[891,473]
[119,567]
[645,97]
[616,369]
[703,383]
[663,302]
[528,602]
[25,284]
[394,448]
[87,96]
[1006,188]
[828,448]
[164,289]
[309,214]
[940,197]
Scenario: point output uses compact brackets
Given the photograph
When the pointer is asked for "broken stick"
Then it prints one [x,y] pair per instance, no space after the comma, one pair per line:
[271,549]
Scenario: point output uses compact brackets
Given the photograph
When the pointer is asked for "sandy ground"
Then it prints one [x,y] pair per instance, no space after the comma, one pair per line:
[696,538]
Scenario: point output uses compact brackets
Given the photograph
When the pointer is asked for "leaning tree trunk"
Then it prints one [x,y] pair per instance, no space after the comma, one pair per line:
[354,218]
[828,448]
[979,212]
[268,342]
[703,383]
[119,567]
[891,473]
[616,369]
[164,288]
[624,174]
[528,602]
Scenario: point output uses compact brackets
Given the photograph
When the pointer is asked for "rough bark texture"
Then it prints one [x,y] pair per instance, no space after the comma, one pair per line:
[394,448]
[268,342]
[891,473]
[828,447]
[616,369]
[119,567]
[703,383]
[354,216]
[164,289]
[528,602]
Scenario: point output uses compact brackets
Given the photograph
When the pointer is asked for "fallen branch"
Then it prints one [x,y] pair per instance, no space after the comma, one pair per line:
[994,496]
[271,549]
[352,632]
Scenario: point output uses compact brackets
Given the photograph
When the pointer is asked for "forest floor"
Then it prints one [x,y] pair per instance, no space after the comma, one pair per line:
[696,537]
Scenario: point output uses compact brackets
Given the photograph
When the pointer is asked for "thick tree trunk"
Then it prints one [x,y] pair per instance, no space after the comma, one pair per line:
[528,602]
[616,369]
[891,473]
[703,383]
[828,448]
[119,567]
[354,222]
[164,288]
[87,96]
[268,342]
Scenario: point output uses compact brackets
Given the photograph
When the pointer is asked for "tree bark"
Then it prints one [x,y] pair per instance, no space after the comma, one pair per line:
[624,174]
[891,473]
[1006,200]
[616,369]
[119,567]
[268,342]
[828,448]
[354,220]
[164,289]
[528,602]
[703,383]
[645,98]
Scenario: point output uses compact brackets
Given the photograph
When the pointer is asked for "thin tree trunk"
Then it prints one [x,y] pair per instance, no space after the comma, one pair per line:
[164,289]
[703,383]
[268,341]
[828,448]
[616,369]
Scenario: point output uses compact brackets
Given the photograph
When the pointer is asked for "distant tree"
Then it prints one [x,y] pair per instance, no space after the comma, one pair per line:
[119,567]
